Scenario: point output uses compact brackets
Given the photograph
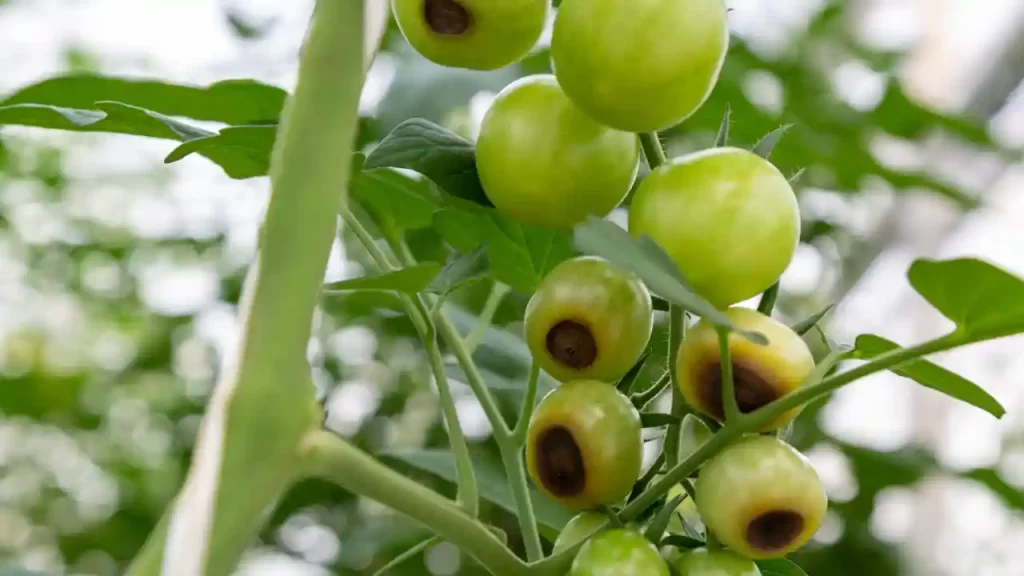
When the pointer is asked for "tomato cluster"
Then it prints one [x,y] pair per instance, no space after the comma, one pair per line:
[554,149]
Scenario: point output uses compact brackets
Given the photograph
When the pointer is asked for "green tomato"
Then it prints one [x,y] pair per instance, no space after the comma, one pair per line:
[761,374]
[761,497]
[584,445]
[618,553]
[639,66]
[704,562]
[473,34]
[544,162]
[588,319]
[727,217]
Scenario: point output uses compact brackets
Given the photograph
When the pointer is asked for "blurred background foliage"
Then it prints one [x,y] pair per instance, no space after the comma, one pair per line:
[105,370]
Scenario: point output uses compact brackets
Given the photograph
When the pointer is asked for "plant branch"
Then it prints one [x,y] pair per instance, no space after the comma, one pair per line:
[497,294]
[332,458]
[408,555]
[526,411]
[676,332]
[642,399]
[767,302]
[730,405]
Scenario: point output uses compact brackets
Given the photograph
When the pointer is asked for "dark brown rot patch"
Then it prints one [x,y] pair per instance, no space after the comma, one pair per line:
[774,530]
[572,344]
[446,17]
[752,391]
[560,463]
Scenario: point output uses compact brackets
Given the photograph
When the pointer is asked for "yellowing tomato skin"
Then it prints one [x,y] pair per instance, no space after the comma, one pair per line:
[727,217]
[639,65]
[544,162]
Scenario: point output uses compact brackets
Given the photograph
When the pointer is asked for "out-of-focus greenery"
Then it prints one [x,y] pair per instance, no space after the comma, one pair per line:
[100,394]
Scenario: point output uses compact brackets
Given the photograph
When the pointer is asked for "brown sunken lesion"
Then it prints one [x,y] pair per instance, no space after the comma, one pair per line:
[774,530]
[752,390]
[447,17]
[572,344]
[559,462]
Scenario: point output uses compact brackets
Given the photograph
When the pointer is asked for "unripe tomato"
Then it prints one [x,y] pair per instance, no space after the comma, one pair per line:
[544,162]
[761,374]
[704,562]
[618,553]
[473,34]
[642,65]
[584,445]
[761,497]
[727,217]
[588,319]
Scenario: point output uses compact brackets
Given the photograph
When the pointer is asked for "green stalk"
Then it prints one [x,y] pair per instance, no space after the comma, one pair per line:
[497,294]
[652,149]
[642,399]
[240,465]
[676,331]
[332,458]
[767,302]
[408,555]
[730,406]
[526,411]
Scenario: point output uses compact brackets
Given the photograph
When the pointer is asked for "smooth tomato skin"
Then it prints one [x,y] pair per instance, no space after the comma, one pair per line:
[611,302]
[721,562]
[544,162]
[618,553]
[727,217]
[641,65]
[501,32]
[606,432]
[754,476]
[783,364]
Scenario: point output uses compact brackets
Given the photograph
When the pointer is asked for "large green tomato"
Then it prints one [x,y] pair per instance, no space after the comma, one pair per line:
[761,497]
[544,162]
[727,217]
[473,34]
[618,553]
[584,445]
[639,65]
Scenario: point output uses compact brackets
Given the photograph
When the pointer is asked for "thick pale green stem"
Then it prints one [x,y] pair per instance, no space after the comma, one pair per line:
[240,465]
[526,411]
[332,458]
[652,149]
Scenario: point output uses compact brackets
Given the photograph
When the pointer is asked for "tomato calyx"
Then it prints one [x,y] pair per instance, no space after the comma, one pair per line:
[560,463]
[774,530]
[447,17]
[572,343]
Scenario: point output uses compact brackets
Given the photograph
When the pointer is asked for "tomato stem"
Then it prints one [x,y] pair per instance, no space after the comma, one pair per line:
[332,458]
[653,151]
[526,411]
[767,302]
[730,405]
[676,332]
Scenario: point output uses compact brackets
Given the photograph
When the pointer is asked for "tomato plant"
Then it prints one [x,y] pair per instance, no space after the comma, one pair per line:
[610,320]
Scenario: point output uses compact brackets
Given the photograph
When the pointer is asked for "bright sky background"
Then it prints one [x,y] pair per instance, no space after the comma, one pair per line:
[189,41]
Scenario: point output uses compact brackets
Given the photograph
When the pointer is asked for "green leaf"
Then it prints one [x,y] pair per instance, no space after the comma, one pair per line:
[233,102]
[765,145]
[625,385]
[494,485]
[649,261]
[397,200]
[239,152]
[411,280]
[723,131]
[983,300]
[437,153]
[520,255]
[460,271]
[804,326]
[654,419]
[657,526]
[1011,497]
[779,567]
[242,151]
[930,375]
